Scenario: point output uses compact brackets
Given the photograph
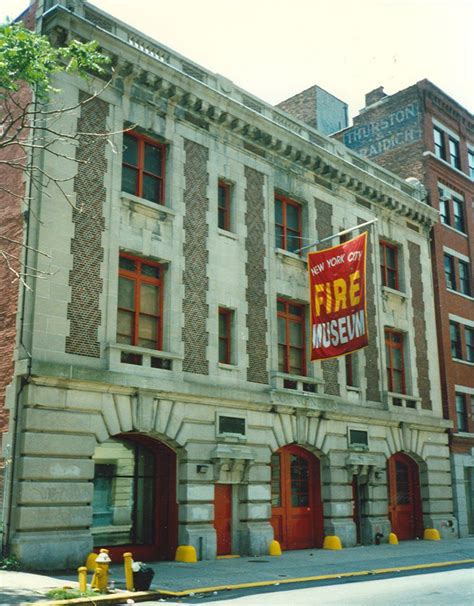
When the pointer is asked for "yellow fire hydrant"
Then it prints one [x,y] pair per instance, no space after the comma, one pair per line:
[100,579]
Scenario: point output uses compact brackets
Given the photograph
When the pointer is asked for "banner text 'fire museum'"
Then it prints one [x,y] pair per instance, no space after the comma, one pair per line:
[337,296]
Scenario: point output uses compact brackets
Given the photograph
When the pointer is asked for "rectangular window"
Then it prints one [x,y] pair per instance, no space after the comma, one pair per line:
[458,214]
[291,339]
[454,158]
[287,224]
[143,169]
[389,265]
[464,278]
[461,412]
[232,425]
[469,340]
[444,211]
[470,160]
[439,143]
[351,362]
[455,338]
[225,335]
[140,301]
[394,355]
[224,191]
[449,272]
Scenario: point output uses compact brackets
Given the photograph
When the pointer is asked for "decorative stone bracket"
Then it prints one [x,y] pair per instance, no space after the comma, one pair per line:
[365,467]
[231,463]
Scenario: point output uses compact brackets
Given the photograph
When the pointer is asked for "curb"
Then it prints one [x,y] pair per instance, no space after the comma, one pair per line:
[141,596]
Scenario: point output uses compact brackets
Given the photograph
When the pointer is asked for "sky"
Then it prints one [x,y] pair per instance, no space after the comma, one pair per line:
[277,48]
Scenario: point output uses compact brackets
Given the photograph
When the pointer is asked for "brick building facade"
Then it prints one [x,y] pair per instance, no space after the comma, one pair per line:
[168,397]
[422,133]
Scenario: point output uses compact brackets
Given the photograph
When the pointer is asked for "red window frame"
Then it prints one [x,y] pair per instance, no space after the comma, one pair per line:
[289,238]
[390,277]
[224,205]
[143,140]
[394,340]
[291,318]
[138,278]
[225,336]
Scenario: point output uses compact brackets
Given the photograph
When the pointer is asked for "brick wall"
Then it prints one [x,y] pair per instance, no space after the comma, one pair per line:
[302,106]
[372,373]
[86,246]
[195,280]
[324,228]
[257,350]
[419,324]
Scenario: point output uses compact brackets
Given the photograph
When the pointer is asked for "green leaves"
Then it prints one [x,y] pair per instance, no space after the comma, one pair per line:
[29,58]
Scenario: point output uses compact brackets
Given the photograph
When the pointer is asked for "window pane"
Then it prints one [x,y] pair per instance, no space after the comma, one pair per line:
[296,337]
[151,188]
[278,212]
[124,327]
[281,330]
[276,487]
[281,358]
[147,332]
[129,180]
[296,310]
[278,236]
[130,151]
[153,159]
[150,270]
[126,263]
[149,299]
[296,361]
[397,386]
[292,217]
[126,293]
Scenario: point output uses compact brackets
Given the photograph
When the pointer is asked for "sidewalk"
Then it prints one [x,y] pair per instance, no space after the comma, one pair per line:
[19,587]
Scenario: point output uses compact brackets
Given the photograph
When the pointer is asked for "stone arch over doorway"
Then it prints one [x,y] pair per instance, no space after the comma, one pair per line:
[297,511]
[404,496]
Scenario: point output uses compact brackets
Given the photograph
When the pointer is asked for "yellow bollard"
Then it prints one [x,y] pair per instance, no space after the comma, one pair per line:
[127,566]
[332,542]
[185,553]
[82,577]
[431,534]
[275,549]
[393,539]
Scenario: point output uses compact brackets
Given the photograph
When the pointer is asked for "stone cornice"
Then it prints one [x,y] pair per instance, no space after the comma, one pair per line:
[263,129]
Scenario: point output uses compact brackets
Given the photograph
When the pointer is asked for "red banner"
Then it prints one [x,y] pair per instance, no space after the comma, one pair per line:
[337,296]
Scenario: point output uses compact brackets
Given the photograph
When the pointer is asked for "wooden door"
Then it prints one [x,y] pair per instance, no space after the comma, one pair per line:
[223,518]
[405,509]
[297,517]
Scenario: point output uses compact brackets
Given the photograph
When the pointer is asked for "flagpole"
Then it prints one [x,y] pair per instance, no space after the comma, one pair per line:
[341,233]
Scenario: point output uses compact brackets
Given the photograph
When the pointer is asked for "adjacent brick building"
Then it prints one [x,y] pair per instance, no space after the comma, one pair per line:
[422,133]
[163,392]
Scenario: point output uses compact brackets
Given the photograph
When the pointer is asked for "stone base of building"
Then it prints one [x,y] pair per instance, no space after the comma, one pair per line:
[345,529]
[447,526]
[372,527]
[202,537]
[52,550]
[255,538]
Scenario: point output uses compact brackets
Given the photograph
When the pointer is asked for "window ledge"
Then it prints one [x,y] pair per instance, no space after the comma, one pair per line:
[402,400]
[392,292]
[461,294]
[461,361]
[227,234]
[278,382]
[464,434]
[159,211]
[451,228]
[289,257]
[150,359]
[227,366]
[446,163]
